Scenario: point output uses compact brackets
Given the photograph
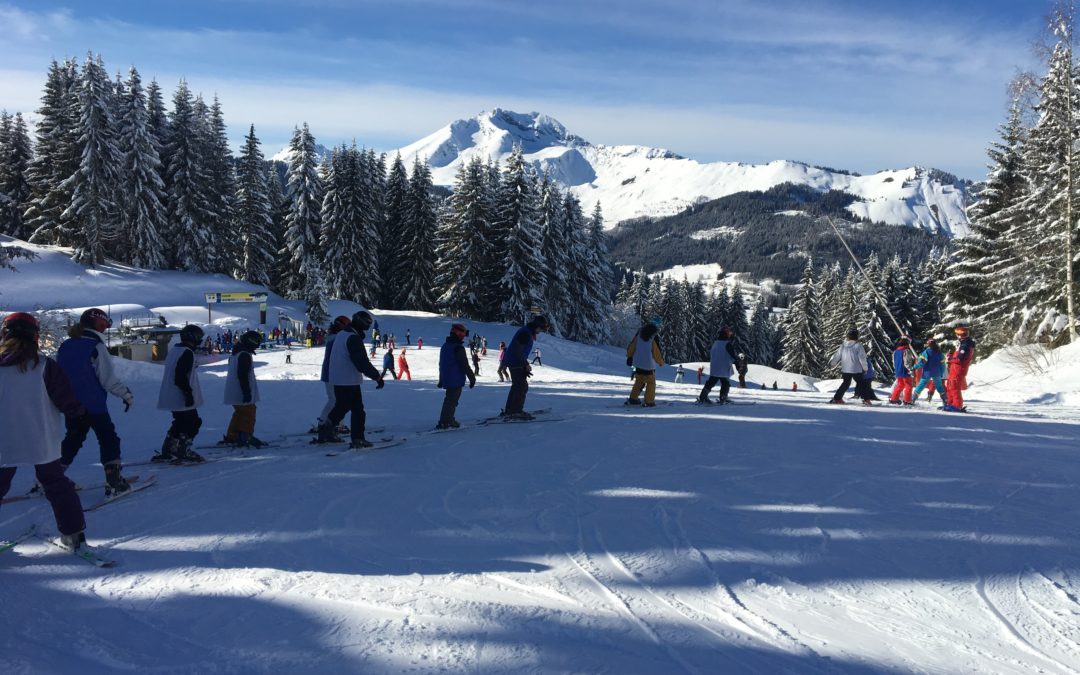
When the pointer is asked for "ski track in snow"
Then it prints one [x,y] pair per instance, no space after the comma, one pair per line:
[788,536]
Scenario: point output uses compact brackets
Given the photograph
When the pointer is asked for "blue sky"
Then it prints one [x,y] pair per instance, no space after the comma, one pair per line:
[858,85]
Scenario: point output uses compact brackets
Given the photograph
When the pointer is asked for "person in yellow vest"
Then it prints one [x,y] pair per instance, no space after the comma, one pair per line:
[643,353]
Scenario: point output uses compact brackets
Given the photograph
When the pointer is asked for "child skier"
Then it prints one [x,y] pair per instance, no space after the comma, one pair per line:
[851,357]
[679,374]
[403,366]
[181,395]
[965,354]
[336,327]
[33,391]
[503,374]
[902,365]
[242,392]
[643,353]
[932,363]
[476,360]
[517,362]
[388,363]
[348,365]
[88,366]
[453,371]
[741,368]
[721,363]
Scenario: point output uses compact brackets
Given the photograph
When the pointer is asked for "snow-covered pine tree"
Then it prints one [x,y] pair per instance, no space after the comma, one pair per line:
[598,280]
[95,209]
[373,199]
[876,331]
[143,219]
[556,300]
[395,236]
[739,321]
[517,222]
[576,236]
[188,238]
[303,224]
[221,193]
[757,345]
[56,157]
[15,157]
[839,316]
[718,313]
[254,218]
[416,262]
[279,209]
[701,333]
[346,242]
[803,352]
[464,250]
[315,293]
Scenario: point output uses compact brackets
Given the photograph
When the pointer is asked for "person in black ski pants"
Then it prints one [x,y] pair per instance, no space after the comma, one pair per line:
[517,361]
[348,365]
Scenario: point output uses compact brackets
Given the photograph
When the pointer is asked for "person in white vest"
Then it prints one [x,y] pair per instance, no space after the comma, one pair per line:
[181,395]
[348,365]
[339,324]
[851,357]
[721,364]
[643,353]
[34,391]
[242,392]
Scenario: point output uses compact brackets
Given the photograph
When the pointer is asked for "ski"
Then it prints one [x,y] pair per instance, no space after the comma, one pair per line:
[375,445]
[8,544]
[149,482]
[496,421]
[341,431]
[83,552]
[79,488]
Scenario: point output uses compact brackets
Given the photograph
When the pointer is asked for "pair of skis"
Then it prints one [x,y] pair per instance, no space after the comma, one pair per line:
[83,551]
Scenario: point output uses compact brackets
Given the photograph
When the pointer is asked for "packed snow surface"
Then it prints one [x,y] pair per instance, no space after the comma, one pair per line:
[784,536]
[632,181]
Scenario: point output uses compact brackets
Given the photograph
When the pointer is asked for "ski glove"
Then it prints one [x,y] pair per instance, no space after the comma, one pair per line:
[472,383]
[381,384]
[129,400]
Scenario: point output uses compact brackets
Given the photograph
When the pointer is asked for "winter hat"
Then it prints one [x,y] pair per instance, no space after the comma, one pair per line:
[726,332]
[459,330]
[19,324]
[191,334]
[340,323]
[853,334]
[361,320]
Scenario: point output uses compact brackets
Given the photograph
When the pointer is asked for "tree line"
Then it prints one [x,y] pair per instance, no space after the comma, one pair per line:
[115,174]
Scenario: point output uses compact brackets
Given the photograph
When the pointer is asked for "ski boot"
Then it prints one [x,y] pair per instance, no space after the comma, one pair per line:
[442,425]
[892,402]
[632,401]
[168,450]
[704,400]
[327,434]
[837,401]
[454,424]
[184,453]
[360,443]
[72,542]
[867,401]
[115,484]
[520,416]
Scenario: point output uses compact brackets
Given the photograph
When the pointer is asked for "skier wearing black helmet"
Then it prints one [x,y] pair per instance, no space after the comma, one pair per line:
[88,365]
[181,395]
[242,392]
[348,365]
[517,362]
[851,357]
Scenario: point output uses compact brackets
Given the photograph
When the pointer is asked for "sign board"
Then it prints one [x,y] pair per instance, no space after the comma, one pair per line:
[212,298]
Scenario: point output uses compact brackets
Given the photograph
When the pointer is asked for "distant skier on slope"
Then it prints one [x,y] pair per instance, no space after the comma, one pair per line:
[453,371]
[965,354]
[643,353]
[403,366]
[348,365]
[517,362]
[741,368]
[88,366]
[721,364]
[903,361]
[181,395]
[932,363]
[33,391]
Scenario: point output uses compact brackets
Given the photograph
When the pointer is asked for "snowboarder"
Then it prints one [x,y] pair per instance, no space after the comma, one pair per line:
[932,362]
[902,364]
[517,362]
[336,327]
[958,369]
[679,374]
[851,357]
[33,391]
[536,357]
[643,353]
[388,363]
[348,365]
[453,371]
[721,363]
[242,392]
[88,366]
[741,368]
[403,366]
[181,395]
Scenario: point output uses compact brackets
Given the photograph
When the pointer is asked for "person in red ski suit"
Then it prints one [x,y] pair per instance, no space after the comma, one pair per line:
[958,367]
[903,359]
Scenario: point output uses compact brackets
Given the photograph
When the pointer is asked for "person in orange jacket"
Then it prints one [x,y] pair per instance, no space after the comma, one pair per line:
[403,366]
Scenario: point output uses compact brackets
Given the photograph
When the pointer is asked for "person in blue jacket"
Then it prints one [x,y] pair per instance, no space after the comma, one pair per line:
[932,362]
[453,371]
[517,362]
[88,365]
[388,363]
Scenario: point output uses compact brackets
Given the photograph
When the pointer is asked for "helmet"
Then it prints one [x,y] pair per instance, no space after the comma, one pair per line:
[191,334]
[658,322]
[339,324]
[250,341]
[853,334]
[540,322]
[459,330]
[961,330]
[726,332]
[361,320]
[95,319]
[19,324]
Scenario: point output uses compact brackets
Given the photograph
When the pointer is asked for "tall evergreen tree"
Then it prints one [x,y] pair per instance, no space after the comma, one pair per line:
[556,300]
[221,192]
[416,263]
[143,219]
[95,208]
[802,349]
[598,280]
[303,224]
[516,213]
[394,236]
[189,238]
[464,247]
[254,219]
[56,157]
[15,157]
